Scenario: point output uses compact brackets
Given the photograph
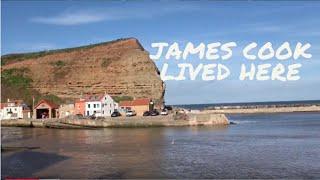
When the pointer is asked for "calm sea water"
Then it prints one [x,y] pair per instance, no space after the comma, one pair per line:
[259,146]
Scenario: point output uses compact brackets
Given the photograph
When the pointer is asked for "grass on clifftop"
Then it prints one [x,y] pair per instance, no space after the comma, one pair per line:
[11,58]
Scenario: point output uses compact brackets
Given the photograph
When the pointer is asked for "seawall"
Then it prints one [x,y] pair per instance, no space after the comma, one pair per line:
[263,110]
[122,122]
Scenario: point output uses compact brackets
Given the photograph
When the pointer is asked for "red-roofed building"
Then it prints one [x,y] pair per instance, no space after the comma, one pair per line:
[45,109]
[138,105]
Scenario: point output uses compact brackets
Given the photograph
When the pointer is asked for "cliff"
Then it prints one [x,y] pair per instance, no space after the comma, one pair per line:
[121,68]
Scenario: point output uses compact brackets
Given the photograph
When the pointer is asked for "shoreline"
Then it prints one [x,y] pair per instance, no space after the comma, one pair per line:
[122,122]
[193,118]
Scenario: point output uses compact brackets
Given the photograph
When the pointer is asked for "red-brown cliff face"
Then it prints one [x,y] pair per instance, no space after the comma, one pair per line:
[121,68]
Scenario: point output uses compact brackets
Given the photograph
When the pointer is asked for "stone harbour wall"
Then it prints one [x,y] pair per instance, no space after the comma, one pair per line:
[119,122]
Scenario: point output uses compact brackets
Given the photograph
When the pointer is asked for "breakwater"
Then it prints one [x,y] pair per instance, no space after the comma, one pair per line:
[262,109]
[122,122]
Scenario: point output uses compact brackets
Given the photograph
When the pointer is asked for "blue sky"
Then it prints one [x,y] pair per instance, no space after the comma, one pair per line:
[34,25]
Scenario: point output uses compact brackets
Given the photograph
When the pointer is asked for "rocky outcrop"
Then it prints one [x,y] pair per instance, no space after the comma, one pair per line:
[120,68]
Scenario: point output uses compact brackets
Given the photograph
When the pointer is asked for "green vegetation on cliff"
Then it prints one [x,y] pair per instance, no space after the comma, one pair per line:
[106,62]
[16,77]
[58,63]
[15,84]
[122,98]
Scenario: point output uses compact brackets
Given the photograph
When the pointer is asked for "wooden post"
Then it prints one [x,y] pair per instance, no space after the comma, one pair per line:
[34,114]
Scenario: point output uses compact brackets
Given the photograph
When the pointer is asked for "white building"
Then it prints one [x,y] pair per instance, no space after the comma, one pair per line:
[14,110]
[100,105]
[108,105]
[93,107]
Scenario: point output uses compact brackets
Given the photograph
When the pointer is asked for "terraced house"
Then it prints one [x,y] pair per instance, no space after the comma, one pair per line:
[99,105]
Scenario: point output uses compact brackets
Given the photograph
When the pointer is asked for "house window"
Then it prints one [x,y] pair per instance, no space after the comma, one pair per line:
[88,105]
[87,113]
[94,105]
[102,112]
[102,105]
[97,105]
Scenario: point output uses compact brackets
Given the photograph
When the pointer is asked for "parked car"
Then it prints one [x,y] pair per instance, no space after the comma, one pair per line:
[169,108]
[154,113]
[164,112]
[131,113]
[115,114]
[146,113]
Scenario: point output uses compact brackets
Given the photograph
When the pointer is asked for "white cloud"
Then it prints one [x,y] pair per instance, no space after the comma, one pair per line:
[70,18]
[78,17]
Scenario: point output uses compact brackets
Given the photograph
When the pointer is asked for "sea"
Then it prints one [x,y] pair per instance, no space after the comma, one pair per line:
[267,103]
[258,146]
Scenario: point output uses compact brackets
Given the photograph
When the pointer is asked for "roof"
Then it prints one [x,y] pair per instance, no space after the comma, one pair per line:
[49,103]
[136,102]
[80,100]
[96,97]
[12,103]
[125,103]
